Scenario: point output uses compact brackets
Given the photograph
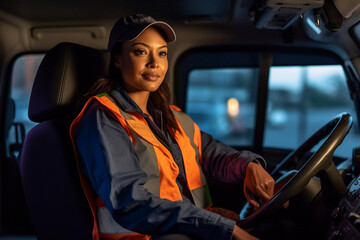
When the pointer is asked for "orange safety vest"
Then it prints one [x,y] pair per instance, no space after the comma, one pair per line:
[189,141]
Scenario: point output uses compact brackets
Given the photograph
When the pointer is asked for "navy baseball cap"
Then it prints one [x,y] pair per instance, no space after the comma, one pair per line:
[128,28]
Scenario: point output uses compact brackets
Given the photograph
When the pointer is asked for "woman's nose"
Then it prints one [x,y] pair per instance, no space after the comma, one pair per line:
[152,64]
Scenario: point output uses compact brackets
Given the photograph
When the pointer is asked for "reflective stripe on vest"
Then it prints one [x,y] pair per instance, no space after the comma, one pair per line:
[162,171]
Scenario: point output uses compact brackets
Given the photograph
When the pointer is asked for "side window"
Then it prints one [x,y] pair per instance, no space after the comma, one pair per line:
[304,98]
[305,92]
[222,102]
[22,78]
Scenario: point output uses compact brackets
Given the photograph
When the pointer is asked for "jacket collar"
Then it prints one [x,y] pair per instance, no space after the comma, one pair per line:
[128,105]
[125,101]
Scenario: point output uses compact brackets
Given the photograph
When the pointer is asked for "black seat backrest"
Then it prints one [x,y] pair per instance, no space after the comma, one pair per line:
[57,205]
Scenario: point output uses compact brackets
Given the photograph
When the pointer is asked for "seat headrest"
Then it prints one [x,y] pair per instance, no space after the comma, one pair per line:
[65,74]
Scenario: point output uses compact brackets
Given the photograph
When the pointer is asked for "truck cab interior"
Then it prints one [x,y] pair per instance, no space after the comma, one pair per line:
[280,78]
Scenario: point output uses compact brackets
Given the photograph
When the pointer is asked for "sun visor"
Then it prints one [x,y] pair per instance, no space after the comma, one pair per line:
[347,7]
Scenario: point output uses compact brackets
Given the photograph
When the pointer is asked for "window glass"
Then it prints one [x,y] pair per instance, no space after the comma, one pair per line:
[301,100]
[22,79]
[222,102]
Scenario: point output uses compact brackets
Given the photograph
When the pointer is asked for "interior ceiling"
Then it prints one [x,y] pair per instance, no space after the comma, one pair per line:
[63,10]
[47,12]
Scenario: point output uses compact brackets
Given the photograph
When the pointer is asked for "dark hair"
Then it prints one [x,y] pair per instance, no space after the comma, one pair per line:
[159,99]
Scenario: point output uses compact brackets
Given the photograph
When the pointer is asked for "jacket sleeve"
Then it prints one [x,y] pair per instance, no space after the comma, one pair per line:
[224,163]
[108,158]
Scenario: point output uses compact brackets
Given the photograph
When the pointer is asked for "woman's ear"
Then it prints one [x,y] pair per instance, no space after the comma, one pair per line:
[117,62]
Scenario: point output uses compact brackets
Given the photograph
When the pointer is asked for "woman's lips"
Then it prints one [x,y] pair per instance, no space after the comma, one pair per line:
[151,76]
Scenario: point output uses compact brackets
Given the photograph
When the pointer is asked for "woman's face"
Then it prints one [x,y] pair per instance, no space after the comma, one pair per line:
[143,62]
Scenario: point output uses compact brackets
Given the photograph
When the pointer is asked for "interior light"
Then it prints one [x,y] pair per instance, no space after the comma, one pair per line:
[313,26]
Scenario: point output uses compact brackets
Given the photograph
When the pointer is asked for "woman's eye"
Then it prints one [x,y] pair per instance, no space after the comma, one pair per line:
[139,52]
[163,54]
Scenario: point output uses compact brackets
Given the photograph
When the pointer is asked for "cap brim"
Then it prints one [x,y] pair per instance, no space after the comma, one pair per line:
[163,26]
[166,28]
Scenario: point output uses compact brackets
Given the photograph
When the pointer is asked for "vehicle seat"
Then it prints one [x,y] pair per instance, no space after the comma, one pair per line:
[57,205]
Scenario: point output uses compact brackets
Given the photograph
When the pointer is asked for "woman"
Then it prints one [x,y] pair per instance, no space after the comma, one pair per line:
[143,162]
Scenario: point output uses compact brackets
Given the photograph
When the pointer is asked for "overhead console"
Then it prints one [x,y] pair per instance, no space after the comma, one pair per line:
[320,17]
[280,14]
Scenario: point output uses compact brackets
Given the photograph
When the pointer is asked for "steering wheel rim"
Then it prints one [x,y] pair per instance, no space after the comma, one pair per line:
[335,130]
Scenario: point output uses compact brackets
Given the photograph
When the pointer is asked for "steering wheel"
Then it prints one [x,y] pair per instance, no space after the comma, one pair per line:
[321,161]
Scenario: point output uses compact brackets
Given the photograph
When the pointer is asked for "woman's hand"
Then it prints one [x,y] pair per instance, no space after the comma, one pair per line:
[240,234]
[257,183]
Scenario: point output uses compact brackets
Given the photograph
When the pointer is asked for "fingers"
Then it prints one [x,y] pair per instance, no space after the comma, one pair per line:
[264,195]
[258,183]
[251,199]
[266,190]
[258,192]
